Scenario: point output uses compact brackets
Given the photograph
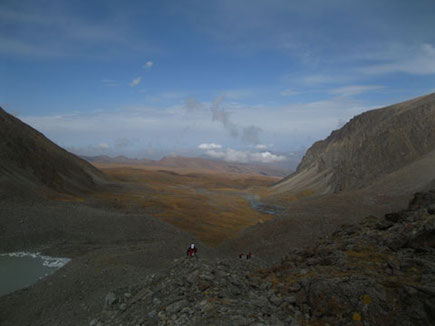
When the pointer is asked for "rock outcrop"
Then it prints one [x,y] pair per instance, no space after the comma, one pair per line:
[378,272]
[28,160]
[370,146]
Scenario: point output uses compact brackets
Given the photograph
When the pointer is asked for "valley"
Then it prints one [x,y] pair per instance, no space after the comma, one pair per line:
[125,223]
[217,163]
[209,205]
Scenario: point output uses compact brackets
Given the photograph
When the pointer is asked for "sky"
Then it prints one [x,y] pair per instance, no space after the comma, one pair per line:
[247,81]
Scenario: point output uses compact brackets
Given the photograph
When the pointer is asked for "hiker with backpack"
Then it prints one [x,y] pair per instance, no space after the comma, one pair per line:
[191,251]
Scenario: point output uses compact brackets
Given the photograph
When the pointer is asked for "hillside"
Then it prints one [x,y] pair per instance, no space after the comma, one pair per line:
[378,272]
[28,160]
[369,147]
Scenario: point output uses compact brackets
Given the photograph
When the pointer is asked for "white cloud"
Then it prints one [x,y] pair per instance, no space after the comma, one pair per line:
[103,146]
[135,81]
[97,124]
[210,146]
[26,26]
[417,60]
[354,89]
[232,155]
[312,80]
[148,65]
[268,157]
[19,47]
[287,127]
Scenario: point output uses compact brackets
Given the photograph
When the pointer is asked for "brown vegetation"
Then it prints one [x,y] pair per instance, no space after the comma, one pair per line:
[211,206]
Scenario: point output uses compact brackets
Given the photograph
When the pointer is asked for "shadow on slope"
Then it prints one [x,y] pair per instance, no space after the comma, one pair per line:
[30,164]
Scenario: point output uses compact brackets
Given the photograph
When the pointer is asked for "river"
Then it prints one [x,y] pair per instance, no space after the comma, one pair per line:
[263,208]
[22,269]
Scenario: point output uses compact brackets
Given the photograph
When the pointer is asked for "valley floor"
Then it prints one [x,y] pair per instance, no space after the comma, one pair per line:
[211,206]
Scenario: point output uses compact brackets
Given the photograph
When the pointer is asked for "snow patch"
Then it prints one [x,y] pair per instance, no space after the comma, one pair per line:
[52,262]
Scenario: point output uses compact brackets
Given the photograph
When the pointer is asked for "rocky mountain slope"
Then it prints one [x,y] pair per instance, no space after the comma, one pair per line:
[378,272]
[28,160]
[108,249]
[369,147]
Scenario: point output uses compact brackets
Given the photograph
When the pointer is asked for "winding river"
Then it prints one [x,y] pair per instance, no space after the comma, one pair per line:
[263,208]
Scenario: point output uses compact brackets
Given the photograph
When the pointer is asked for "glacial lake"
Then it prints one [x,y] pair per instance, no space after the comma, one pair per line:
[22,269]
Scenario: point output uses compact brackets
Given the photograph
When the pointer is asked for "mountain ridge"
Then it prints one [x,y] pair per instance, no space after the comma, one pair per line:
[369,146]
[28,160]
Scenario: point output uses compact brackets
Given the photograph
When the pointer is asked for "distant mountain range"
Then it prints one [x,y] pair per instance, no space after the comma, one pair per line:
[367,168]
[397,142]
[120,159]
[29,160]
[392,146]
[193,163]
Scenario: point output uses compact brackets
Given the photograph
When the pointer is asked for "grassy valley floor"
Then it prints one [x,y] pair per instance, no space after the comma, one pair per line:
[211,206]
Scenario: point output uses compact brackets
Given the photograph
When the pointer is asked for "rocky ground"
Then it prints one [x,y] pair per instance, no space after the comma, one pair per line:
[378,272]
[108,248]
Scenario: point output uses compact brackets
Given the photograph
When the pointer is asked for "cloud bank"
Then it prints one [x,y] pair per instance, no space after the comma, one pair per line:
[352,90]
[415,60]
[209,146]
[232,155]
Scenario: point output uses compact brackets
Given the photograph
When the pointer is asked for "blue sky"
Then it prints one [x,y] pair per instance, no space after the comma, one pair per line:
[254,80]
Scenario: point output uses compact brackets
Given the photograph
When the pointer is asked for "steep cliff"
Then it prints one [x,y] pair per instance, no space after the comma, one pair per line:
[370,146]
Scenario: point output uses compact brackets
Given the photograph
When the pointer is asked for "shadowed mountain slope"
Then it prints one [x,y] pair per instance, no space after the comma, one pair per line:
[369,147]
[28,160]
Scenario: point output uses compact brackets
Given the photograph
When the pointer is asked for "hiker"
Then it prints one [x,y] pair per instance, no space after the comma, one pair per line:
[240,256]
[191,251]
[248,256]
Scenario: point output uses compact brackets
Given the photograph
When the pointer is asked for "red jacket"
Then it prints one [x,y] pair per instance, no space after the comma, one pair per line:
[191,252]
